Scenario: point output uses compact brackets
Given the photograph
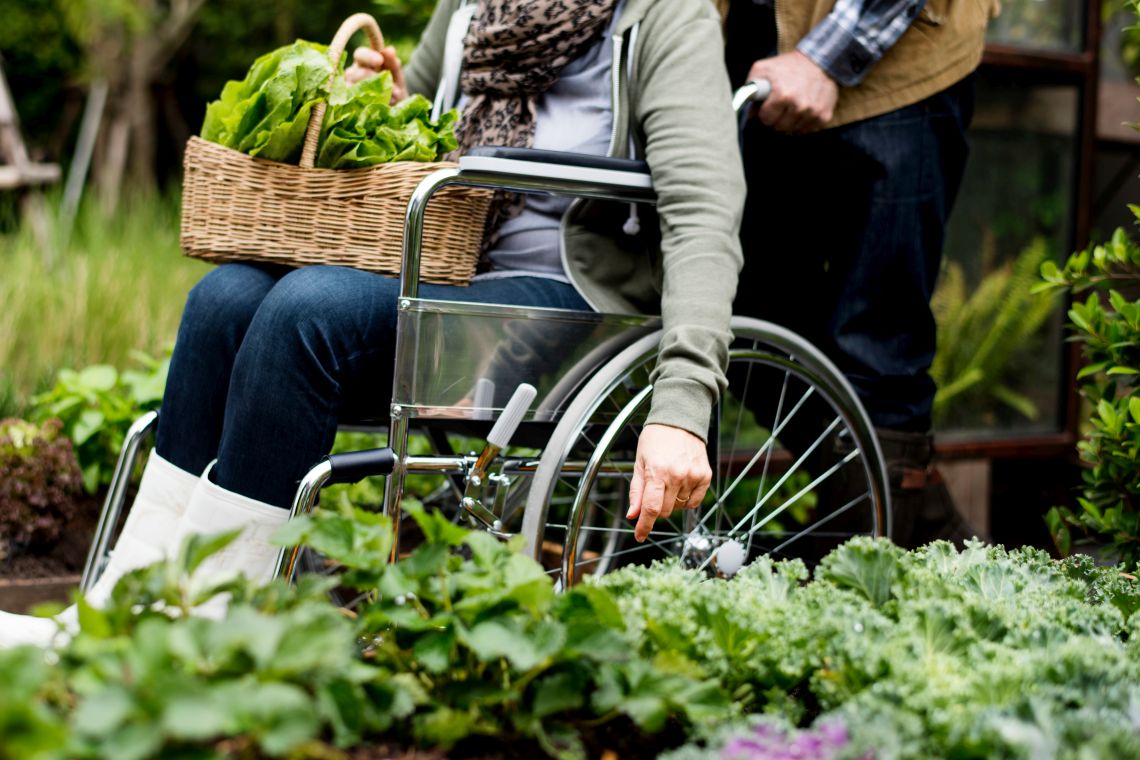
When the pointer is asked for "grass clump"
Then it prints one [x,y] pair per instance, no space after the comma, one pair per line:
[117,286]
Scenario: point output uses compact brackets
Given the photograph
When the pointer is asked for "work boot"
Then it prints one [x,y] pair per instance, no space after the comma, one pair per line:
[922,509]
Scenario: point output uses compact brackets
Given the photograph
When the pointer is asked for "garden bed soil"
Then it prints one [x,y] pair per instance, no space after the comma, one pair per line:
[27,580]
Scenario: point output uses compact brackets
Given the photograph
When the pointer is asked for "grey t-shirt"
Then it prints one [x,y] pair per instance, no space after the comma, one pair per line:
[574,115]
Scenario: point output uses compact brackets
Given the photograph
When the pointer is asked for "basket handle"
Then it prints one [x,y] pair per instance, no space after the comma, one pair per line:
[351,26]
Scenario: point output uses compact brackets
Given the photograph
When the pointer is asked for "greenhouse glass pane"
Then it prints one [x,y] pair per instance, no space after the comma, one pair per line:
[1056,25]
[999,360]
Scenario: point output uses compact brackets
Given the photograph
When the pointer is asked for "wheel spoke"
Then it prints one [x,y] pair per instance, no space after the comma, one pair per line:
[805,490]
[762,452]
[811,530]
[590,527]
[783,478]
[767,460]
[638,548]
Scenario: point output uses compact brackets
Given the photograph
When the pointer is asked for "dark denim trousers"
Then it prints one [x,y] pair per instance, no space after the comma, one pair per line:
[268,359]
[843,234]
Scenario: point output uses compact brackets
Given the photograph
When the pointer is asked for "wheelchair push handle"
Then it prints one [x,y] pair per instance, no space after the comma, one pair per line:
[755,91]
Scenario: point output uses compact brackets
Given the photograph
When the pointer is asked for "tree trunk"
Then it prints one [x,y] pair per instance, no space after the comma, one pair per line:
[140,114]
[132,62]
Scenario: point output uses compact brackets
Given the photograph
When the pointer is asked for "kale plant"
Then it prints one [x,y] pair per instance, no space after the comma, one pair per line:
[933,653]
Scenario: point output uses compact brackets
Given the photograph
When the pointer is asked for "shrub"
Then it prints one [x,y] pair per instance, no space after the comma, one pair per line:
[97,406]
[1107,324]
[40,484]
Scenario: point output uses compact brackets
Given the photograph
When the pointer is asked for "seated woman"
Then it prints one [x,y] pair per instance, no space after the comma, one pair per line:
[268,359]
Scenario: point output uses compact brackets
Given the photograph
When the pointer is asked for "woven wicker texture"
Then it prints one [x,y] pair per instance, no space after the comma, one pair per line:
[239,208]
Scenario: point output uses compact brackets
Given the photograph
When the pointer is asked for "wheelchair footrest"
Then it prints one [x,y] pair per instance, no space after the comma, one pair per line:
[354,466]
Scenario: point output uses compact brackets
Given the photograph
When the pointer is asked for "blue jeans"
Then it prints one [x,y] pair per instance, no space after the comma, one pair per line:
[843,239]
[268,359]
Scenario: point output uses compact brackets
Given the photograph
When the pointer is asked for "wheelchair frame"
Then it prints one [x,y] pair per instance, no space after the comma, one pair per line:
[572,398]
[571,395]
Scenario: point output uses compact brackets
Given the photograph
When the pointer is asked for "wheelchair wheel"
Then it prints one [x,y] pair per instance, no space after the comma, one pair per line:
[797,469]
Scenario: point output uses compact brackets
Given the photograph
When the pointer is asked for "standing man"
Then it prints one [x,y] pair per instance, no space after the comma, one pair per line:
[853,163]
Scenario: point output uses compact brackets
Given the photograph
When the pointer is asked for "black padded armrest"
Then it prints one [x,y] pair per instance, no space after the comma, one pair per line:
[562,158]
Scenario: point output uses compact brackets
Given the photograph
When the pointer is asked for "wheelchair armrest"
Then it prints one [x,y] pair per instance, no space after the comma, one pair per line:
[534,167]
[559,157]
[522,170]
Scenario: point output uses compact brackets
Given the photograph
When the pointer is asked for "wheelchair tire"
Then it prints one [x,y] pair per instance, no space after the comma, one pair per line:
[797,468]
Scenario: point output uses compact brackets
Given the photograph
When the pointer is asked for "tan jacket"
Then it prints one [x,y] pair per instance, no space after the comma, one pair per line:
[942,46]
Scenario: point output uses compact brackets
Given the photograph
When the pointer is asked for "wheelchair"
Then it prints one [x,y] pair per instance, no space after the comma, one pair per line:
[560,398]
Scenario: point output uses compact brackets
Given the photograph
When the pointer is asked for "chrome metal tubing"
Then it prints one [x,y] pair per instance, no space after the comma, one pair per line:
[303,502]
[113,505]
[439,465]
[394,483]
[523,183]
[593,467]
[414,230]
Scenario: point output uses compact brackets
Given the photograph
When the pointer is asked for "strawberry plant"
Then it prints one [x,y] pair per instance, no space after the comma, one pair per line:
[496,650]
[462,641]
[97,405]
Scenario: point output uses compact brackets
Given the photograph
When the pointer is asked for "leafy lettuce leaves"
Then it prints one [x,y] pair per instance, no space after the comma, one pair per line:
[267,113]
[362,129]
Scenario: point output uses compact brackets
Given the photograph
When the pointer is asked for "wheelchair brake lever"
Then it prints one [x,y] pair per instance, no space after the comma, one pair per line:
[497,440]
[503,430]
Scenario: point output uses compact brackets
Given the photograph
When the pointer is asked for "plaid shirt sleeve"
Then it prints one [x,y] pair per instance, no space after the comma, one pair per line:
[856,34]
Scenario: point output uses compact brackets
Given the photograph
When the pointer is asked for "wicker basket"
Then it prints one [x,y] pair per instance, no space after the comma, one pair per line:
[239,208]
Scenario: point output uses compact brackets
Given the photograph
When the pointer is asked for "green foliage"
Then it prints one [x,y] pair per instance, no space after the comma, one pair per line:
[118,286]
[97,406]
[462,638]
[1130,35]
[885,653]
[41,60]
[40,485]
[278,676]
[267,114]
[29,729]
[496,651]
[986,338]
[362,129]
[395,15]
[933,653]
[1107,324]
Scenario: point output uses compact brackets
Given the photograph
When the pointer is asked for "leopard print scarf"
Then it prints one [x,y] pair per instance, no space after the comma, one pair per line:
[514,52]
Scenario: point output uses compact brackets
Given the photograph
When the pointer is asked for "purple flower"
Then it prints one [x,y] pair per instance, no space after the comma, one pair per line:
[768,742]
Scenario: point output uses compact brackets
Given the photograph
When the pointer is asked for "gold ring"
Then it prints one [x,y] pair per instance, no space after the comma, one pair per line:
[679,500]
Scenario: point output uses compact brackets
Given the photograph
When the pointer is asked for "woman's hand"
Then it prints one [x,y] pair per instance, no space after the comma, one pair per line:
[672,472]
[367,62]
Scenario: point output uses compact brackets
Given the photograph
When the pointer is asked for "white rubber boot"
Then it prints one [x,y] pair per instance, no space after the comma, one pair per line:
[213,509]
[150,532]
[148,536]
